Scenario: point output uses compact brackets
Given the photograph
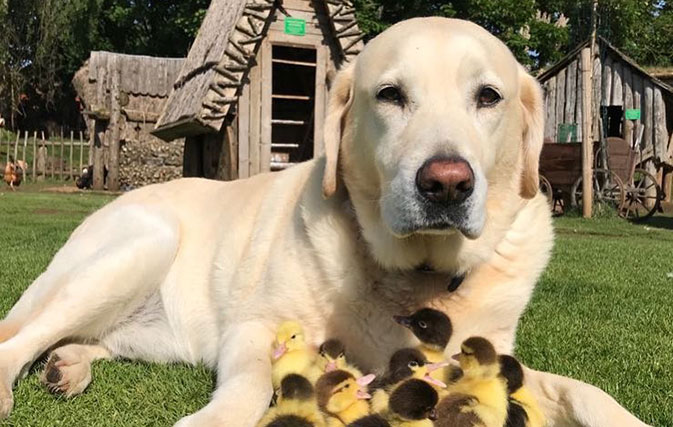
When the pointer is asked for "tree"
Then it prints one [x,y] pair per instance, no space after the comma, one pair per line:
[44,42]
[540,32]
[515,22]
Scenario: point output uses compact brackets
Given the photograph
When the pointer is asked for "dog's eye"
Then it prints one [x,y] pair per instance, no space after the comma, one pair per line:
[488,97]
[390,94]
[422,324]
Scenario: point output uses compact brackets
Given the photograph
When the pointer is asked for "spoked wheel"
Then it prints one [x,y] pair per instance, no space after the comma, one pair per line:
[547,191]
[608,190]
[643,198]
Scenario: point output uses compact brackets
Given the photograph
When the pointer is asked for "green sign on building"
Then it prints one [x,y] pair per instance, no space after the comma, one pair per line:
[632,114]
[295,26]
[567,132]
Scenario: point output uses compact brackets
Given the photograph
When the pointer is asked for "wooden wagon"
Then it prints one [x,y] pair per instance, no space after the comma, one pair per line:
[616,181]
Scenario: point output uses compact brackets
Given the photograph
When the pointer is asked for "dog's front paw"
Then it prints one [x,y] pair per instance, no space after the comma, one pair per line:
[66,373]
[6,400]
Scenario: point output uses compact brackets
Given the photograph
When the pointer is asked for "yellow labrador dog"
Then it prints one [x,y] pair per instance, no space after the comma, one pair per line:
[430,174]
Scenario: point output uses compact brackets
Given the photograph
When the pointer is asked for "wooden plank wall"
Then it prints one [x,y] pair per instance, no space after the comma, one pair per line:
[616,82]
[254,105]
[563,95]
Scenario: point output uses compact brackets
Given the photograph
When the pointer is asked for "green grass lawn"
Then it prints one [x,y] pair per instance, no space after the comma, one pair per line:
[602,313]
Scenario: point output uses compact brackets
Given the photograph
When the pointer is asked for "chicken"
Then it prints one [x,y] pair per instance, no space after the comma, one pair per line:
[14,172]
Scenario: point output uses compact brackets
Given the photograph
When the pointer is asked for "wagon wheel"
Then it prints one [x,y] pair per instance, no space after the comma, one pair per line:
[642,198]
[608,190]
[547,191]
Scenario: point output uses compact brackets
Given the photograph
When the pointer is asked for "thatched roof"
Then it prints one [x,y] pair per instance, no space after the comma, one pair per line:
[222,54]
[608,48]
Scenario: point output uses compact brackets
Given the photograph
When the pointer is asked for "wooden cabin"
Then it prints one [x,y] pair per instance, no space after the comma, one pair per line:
[123,96]
[252,94]
[621,91]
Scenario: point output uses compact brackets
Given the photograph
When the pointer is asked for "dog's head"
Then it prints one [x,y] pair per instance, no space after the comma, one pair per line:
[432,127]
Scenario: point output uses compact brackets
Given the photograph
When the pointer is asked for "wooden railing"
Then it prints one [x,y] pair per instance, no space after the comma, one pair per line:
[60,158]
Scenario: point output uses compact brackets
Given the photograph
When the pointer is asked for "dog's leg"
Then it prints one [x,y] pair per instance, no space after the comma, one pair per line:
[568,402]
[85,296]
[68,368]
[243,377]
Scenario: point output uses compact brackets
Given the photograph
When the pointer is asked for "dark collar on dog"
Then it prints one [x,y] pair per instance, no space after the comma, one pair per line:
[454,283]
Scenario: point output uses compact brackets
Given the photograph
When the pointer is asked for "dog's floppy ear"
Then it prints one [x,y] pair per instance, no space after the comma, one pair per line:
[340,100]
[532,104]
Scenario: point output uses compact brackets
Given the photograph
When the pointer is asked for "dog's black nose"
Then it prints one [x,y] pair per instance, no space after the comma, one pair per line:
[445,179]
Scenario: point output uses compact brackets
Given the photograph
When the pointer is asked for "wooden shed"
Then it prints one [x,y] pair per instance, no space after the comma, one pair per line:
[621,90]
[252,93]
[123,96]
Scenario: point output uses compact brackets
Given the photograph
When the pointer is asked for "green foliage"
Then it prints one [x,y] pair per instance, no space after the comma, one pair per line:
[534,43]
[44,42]
[642,29]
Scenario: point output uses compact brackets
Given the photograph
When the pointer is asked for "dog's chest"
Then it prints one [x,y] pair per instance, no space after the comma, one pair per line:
[364,321]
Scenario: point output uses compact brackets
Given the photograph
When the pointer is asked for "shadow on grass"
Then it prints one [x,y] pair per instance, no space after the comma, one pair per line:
[658,221]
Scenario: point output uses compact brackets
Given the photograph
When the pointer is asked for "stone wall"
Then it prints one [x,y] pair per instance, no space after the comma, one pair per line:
[149,161]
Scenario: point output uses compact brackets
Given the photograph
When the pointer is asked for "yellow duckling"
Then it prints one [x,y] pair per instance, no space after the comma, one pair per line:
[374,420]
[523,410]
[412,404]
[479,397]
[411,363]
[296,406]
[291,354]
[332,356]
[343,397]
[433,329]
[404,364]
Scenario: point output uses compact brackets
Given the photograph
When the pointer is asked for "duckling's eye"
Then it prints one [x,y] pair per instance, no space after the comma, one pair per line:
[422,324]
[413,364]
[488,97]
[347,386]
[293,336]
[390,93]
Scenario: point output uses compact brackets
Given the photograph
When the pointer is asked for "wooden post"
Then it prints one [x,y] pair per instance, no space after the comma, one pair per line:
[587,140]
[25,143]
[98,135]
[16,146]
[81,152]
[34,155]
[53,158]
[46,155]
[114,125]
[9,139]
[72,146]
[61,161]
[266,107]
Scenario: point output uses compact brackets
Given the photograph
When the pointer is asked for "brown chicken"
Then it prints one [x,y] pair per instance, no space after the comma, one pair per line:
[14,172]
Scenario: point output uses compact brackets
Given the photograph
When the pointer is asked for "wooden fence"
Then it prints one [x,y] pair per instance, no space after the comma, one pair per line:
[61,158]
